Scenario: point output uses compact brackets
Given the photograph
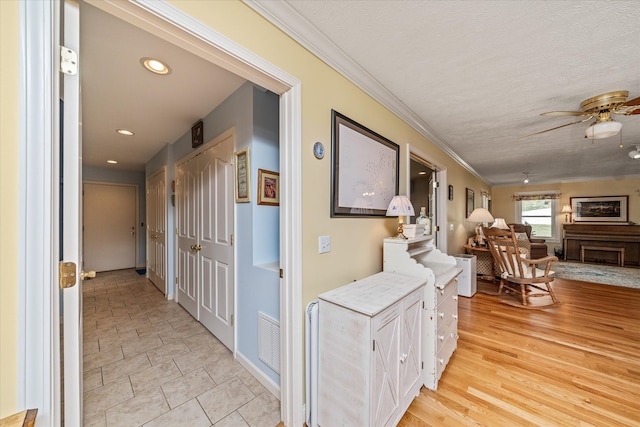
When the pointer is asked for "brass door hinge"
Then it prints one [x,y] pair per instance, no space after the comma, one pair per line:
[231,240]
[66,274]
[281,273]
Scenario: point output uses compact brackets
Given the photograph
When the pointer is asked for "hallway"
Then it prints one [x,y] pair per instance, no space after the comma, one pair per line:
[147,362]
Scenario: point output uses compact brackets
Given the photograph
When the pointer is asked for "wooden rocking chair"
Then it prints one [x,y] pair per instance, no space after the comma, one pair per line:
[517,272]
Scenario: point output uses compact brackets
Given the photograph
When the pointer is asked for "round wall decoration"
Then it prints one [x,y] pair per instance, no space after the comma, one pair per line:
[318,150]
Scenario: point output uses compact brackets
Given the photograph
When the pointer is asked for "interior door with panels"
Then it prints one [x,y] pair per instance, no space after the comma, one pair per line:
[187,238]
[205,258]
[156,226]
[214,238]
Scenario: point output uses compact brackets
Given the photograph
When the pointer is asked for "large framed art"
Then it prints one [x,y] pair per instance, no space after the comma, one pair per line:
[600,209]
[364,174]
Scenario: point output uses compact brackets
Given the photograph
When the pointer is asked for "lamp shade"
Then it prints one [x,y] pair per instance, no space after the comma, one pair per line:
[603,129]
[400,206]
[500,223]
[566,209]
[479,215]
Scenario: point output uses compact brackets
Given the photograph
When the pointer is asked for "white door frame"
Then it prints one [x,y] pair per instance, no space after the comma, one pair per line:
[38,329]
[442,194]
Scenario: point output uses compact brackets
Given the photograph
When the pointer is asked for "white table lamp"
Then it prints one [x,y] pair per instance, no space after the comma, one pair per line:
[480,215]
[400,206]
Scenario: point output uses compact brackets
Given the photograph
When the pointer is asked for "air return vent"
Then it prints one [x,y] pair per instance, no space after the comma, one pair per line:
[269,341]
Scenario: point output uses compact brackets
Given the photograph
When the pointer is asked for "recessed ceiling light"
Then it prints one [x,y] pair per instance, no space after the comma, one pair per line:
[112,162]
[155,66]
[125,132]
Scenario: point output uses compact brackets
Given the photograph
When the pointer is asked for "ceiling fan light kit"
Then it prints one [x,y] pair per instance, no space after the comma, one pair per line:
[635,154]
[600,130]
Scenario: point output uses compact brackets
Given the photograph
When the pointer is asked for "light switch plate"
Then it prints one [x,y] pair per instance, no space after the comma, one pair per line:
[324,244]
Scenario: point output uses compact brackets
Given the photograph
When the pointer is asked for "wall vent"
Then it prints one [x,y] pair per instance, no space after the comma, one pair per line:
[269,341]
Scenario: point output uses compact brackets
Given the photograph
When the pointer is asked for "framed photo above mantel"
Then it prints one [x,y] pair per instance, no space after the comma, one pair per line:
[600,209]
[364,169]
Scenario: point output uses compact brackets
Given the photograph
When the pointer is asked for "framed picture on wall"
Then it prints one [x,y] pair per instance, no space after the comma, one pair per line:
[243,181]
[197,134]
[600,209]
[364,169]
[268,188]
[450,192]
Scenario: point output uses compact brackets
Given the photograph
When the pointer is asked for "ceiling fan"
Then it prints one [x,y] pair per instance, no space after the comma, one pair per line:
[601,107]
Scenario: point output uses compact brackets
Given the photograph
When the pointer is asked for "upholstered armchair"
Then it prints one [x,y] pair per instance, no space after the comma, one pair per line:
[537,247]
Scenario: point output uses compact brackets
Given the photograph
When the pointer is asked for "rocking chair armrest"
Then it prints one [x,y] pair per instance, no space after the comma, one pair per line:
[544,260]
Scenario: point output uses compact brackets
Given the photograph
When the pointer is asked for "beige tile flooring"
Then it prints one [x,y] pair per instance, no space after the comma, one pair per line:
[147,362]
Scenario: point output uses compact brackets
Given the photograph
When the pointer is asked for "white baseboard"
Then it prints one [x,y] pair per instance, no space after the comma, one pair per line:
[267,382]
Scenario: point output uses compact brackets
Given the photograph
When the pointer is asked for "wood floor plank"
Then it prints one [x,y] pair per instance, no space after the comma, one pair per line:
[574,364]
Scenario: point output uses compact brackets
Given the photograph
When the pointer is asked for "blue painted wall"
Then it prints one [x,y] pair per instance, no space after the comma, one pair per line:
[125,177]
[253,112]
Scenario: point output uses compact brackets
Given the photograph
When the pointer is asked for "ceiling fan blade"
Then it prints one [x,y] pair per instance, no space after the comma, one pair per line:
[566,113]
[632,102]
[557,127]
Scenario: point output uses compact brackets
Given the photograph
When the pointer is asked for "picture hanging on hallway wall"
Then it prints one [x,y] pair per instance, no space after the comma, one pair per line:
[364,169]
[243,182]
[268,188]
[197,134]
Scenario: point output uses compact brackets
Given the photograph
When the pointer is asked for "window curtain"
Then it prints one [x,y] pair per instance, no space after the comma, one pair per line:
[541,196]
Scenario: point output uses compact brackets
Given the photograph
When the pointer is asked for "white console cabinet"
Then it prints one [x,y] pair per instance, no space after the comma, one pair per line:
[369,358]
[419,257]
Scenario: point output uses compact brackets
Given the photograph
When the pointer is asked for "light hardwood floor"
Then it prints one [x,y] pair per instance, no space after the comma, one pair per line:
[577,364]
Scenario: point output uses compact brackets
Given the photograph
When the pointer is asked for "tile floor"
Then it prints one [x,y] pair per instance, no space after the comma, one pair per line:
[147,362]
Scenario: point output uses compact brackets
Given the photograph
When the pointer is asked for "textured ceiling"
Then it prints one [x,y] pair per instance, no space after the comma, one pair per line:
[474,76]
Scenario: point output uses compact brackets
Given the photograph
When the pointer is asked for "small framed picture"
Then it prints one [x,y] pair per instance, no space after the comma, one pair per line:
[197,134]
[470,203]
[268,188]
[243,180]
[450,192]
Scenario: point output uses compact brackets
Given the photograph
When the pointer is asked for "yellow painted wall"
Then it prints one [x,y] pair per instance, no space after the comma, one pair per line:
[9,209]
[356,243]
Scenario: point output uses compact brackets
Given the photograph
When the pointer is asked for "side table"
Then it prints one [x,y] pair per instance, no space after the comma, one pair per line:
[484,261]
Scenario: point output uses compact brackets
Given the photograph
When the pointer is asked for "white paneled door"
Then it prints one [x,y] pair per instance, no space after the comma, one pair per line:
[109,226]
[156,230]
[204,190]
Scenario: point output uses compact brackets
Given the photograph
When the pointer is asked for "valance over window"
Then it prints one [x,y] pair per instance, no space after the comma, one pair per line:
[539,196]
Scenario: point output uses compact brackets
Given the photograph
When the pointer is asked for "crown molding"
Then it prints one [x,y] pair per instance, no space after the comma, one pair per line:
[287,19]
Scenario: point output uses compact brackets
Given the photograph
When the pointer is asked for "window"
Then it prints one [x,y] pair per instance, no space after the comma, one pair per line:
[540,213]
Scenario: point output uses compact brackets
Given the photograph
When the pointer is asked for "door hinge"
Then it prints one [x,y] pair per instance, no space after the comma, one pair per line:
[281,273]
[66,274]
[231,240]
[421,365]
[232,320]
[436,228]
[68,61]
[176,280]
[374,345]
[436,184]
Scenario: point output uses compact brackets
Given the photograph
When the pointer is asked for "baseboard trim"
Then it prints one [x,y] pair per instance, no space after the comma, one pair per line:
[267,382]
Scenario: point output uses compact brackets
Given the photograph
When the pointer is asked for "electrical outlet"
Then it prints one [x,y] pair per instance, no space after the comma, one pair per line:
[324,244]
